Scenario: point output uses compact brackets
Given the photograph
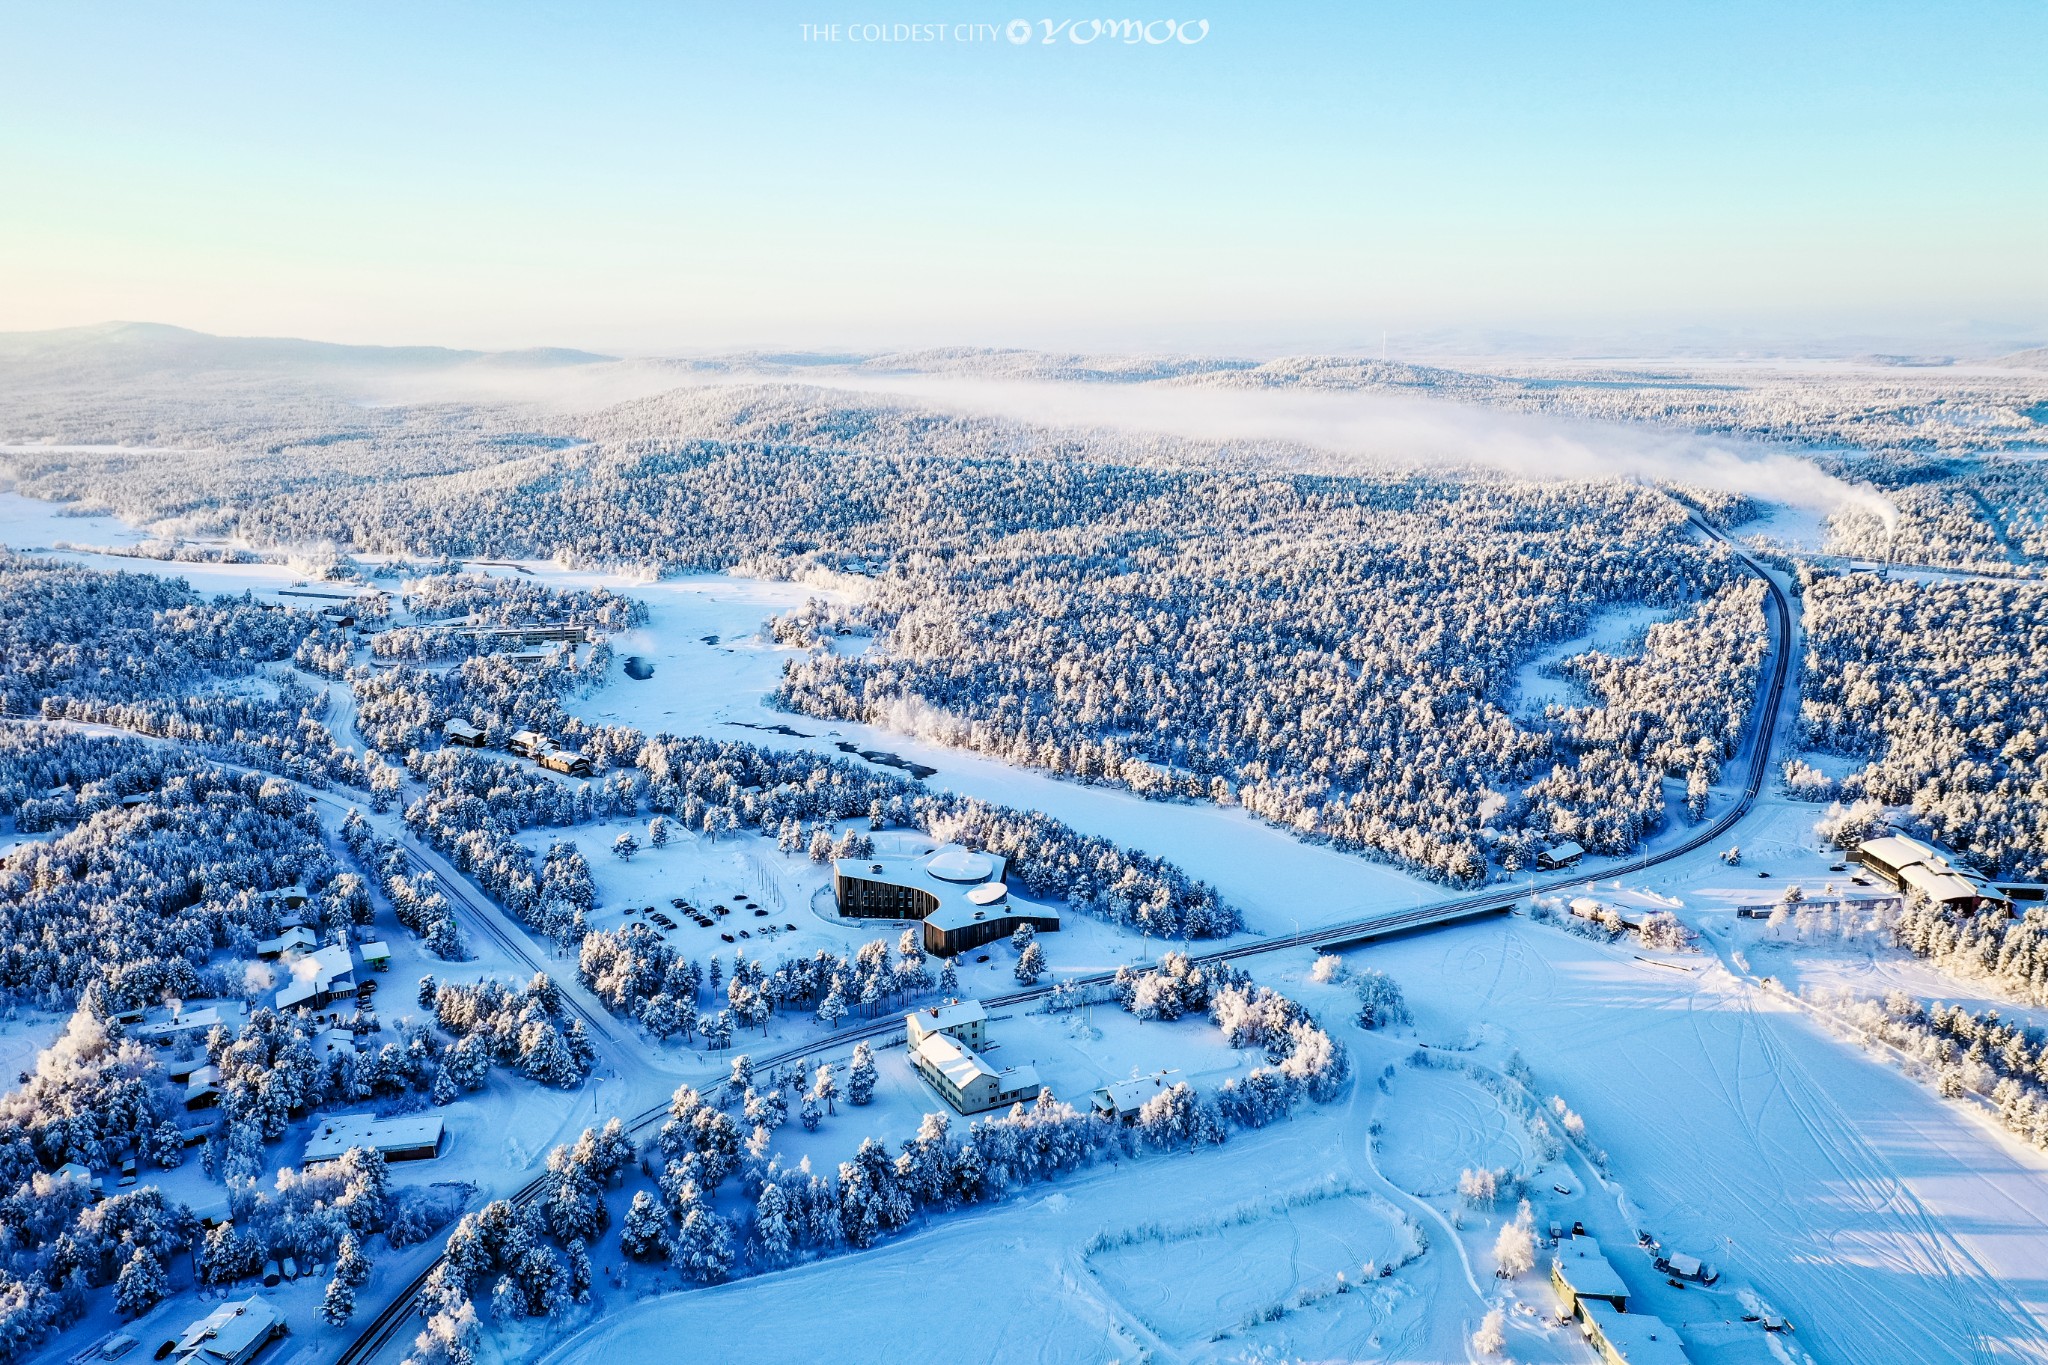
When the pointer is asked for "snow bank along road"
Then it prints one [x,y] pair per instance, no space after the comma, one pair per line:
[387,1324]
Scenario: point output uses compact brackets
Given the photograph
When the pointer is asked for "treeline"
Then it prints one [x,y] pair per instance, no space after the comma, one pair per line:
[1943,689]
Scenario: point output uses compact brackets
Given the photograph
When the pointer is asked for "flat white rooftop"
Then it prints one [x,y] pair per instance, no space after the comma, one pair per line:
[336,1135]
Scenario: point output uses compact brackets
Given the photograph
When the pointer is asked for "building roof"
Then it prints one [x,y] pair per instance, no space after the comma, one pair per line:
[203,1081]
[1581,1264]
[297,936]
[953,1059]
[229,1330]
[462,728]
[1637,1338]
[963,1066]
[201,1020]
[1897,850]
[333,1040]
[968,886]
[956,864]
[951,1015]
[316,973]
[1570,848]
[1929,870]
[336,1135]
[375,949]
[1132,1094]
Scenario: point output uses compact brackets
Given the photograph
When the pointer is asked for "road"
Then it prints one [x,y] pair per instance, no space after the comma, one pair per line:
[388,1323]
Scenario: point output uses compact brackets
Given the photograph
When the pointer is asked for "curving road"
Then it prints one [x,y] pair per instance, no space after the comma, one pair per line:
[389,1322]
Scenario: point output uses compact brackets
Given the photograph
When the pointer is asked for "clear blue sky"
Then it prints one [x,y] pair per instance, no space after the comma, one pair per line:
[680,175]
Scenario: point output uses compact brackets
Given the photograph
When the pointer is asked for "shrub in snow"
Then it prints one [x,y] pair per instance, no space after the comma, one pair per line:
[1514,1251]
[1329,968]
[1380,1003]
[1491,1338]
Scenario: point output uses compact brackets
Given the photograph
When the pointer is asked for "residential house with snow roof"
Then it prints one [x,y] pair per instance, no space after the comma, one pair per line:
[1121,1100]
[409,1137]
[232,1334]
[318,977]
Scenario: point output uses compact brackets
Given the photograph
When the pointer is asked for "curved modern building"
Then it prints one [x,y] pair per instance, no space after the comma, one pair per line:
[958,893]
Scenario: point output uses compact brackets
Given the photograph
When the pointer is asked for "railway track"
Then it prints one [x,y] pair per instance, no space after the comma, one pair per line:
[391,1320]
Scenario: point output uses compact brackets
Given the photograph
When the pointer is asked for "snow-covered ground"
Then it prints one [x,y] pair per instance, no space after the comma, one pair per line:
[1889,1224]
[1618,630]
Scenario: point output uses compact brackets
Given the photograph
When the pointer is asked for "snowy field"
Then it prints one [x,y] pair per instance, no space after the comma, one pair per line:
[1617,631]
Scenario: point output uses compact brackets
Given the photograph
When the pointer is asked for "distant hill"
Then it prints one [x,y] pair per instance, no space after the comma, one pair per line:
[133,348]
[2035,359]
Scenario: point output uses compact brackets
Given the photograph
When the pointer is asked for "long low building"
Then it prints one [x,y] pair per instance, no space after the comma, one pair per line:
[1581,1273]
[1916,867]
[413,1137]
[965,1078]
[958,893]
[1630,1338]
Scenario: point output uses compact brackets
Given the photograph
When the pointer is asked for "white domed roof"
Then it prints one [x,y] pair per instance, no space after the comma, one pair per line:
[961,865]
[988,893]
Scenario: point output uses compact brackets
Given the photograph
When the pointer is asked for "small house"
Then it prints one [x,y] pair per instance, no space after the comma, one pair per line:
[1121,1100]
[377,956]
[297,939]
[183,1021]
[412,1137]
[1688,1268]
[463,733]
[529,743]
[566,761]
[318,977]
[1562,855]
[202,1088]
[73,1173]
[328,1042]
[232,1334]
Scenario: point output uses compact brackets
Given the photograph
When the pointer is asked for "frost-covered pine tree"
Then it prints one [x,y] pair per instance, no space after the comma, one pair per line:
[350,1264]
[657,832]
[773,1236]
[642,1235]
[861,1076]
[824,1086]
[831,1009]
[141,1284]
[338,1304]
[625,846]
[1030,963]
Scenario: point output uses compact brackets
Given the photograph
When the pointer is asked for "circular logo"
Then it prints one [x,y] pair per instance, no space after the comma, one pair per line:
[1018,31]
